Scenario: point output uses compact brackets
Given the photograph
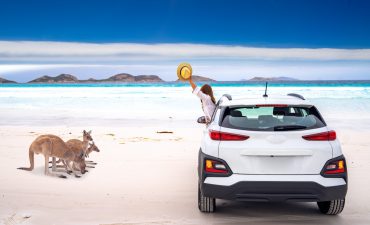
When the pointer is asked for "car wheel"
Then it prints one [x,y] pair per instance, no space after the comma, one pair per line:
[333,207]
[206,204]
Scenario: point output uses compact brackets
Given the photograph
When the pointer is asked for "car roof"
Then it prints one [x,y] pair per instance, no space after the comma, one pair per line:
[273,99]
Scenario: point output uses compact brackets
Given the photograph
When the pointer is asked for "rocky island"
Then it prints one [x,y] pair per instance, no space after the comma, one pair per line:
[271,79]
[118,78]
[5,81]
[128,78]
[62,78]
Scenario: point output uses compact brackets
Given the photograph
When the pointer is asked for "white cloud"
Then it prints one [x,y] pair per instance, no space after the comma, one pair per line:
[25,60]
[40,51]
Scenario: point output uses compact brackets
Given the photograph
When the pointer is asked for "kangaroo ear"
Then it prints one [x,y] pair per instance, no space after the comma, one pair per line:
[84,132]
[89,132]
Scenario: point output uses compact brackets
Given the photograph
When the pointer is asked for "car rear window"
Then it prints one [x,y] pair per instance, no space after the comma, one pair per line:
[272,118]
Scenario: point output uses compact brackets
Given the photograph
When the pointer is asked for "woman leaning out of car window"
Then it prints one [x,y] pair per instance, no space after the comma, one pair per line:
[207,99]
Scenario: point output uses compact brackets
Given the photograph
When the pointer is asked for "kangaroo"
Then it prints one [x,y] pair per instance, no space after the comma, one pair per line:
[76,146]
[92,148]
[53,146]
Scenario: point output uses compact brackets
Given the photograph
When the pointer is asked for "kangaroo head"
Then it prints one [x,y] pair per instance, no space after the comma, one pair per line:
[80,161]
[93,147]
[87,135]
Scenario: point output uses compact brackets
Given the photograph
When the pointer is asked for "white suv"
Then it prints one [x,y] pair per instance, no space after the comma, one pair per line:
[271,149]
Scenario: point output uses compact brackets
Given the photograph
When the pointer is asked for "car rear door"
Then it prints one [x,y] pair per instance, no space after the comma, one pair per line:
[275,152]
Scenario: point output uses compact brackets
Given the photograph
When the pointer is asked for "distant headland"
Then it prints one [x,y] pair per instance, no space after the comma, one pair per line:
[128,78]
[122,77]
[118,78]
[271,79]
[5,81]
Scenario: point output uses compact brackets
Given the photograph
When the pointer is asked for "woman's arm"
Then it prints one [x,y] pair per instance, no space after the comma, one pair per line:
[197,91]
[193,85]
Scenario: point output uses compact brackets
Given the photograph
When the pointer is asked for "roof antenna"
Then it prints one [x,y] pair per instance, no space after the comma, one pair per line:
[265,95]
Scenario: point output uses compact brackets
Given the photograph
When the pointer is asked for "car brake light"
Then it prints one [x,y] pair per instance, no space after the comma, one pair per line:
[335,167]
[272,105]
[324,136]
[213,166]
[222,136]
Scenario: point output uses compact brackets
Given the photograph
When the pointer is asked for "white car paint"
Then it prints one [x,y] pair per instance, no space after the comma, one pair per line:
[274,155]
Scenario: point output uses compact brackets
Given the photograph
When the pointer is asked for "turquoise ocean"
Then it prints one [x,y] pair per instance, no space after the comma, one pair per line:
[117,103]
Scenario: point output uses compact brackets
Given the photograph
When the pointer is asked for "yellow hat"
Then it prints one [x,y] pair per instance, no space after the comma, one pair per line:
[184,71]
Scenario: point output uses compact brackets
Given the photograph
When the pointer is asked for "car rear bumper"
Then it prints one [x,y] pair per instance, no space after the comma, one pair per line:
[280,191]
[284,187]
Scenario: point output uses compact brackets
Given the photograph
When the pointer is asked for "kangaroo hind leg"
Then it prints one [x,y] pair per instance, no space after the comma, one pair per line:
[47,172]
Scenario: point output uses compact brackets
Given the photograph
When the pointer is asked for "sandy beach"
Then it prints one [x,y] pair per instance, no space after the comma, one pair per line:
[145,177]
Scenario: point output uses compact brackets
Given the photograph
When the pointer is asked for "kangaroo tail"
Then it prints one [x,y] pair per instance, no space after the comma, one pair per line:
[32,161]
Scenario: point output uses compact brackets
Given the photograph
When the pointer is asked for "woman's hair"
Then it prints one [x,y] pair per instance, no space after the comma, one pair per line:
[207,89]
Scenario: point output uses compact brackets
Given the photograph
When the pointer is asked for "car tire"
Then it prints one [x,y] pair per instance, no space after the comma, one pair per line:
[206,204]
[333,207]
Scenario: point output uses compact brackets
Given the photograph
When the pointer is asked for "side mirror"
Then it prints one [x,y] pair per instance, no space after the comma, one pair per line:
[202,119]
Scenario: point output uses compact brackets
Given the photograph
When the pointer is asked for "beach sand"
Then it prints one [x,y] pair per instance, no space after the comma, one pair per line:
[146,177]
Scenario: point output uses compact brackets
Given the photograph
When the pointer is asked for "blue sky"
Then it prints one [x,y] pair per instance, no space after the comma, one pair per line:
[268,28]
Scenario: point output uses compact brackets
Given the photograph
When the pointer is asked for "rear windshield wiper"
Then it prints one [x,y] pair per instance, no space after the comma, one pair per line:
[289,127]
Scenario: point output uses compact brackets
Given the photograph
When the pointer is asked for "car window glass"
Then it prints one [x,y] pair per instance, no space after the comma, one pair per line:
[272,118]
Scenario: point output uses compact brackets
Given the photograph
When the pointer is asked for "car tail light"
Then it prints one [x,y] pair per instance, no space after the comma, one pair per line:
[214,166]
[335,167]
[324,136]
[222,136]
